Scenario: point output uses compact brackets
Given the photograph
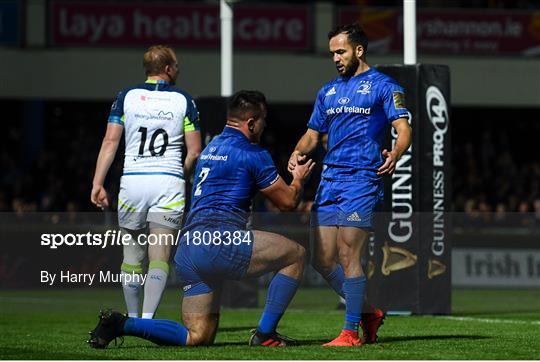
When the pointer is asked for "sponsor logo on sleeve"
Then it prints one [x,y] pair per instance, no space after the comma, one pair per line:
[274,180]
[399,100]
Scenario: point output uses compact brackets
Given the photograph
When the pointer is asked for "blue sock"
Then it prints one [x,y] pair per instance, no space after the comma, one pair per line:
[280,293]
[335,279]
[159,331]
[354,298]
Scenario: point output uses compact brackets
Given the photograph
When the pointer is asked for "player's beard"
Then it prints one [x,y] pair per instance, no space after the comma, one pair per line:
[351,68]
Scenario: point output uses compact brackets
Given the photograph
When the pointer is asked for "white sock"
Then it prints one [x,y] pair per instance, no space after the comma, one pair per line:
[132,290]
[156,281]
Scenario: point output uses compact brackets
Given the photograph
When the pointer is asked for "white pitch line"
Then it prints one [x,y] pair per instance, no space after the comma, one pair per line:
[488,320]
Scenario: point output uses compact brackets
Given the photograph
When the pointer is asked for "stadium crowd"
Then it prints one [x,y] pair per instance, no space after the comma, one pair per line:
[496,179]
[55,177]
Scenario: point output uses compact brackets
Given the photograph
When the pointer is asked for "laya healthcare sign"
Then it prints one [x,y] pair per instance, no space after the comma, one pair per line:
[271,27]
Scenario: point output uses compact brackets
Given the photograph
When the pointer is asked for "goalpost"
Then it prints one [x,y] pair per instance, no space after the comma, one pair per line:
[410,256]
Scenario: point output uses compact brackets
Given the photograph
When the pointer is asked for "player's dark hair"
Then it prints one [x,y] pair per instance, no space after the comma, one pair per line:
[156,58]
[355,34]
[246,101]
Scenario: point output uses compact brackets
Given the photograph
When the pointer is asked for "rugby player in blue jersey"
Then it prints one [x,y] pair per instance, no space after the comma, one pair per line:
[354,110]
[216,244]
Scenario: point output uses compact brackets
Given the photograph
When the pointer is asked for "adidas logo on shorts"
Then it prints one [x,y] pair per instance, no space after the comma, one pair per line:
[354,217]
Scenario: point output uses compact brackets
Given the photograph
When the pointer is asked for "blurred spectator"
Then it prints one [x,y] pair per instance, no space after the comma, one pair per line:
[537,211]
[526,217]
[500,216]
[496,177]
[59,175]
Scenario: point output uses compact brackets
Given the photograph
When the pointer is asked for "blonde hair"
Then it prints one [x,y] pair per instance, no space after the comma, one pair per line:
[156,58]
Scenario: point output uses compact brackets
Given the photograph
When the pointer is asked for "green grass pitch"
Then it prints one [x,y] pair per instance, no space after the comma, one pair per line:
[486,324]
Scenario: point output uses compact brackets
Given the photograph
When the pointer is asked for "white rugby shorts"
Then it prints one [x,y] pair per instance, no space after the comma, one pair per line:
[155,199]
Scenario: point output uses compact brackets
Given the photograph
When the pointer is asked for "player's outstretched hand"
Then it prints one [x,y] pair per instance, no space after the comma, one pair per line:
[302,171]
[99,197]
[389,165]
[295,159]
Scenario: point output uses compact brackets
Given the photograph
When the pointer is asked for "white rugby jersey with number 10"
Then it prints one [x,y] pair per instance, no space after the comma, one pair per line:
[155,117]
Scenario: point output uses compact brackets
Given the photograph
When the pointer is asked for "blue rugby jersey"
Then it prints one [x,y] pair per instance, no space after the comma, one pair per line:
[229,172]
[356,112]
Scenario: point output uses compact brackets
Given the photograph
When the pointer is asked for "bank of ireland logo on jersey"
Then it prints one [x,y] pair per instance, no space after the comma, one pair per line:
[343,100]
[365,87]
[212,149]
[331,92]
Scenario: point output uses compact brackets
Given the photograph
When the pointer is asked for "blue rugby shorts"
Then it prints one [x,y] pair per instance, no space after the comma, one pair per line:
[347,203]
[202,268]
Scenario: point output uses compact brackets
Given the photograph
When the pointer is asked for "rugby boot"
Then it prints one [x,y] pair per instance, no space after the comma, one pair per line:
[270,339]
[109,327]
[370,323]
[346,338]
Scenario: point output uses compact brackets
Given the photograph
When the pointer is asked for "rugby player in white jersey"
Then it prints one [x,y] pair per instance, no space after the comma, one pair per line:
[157,119]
